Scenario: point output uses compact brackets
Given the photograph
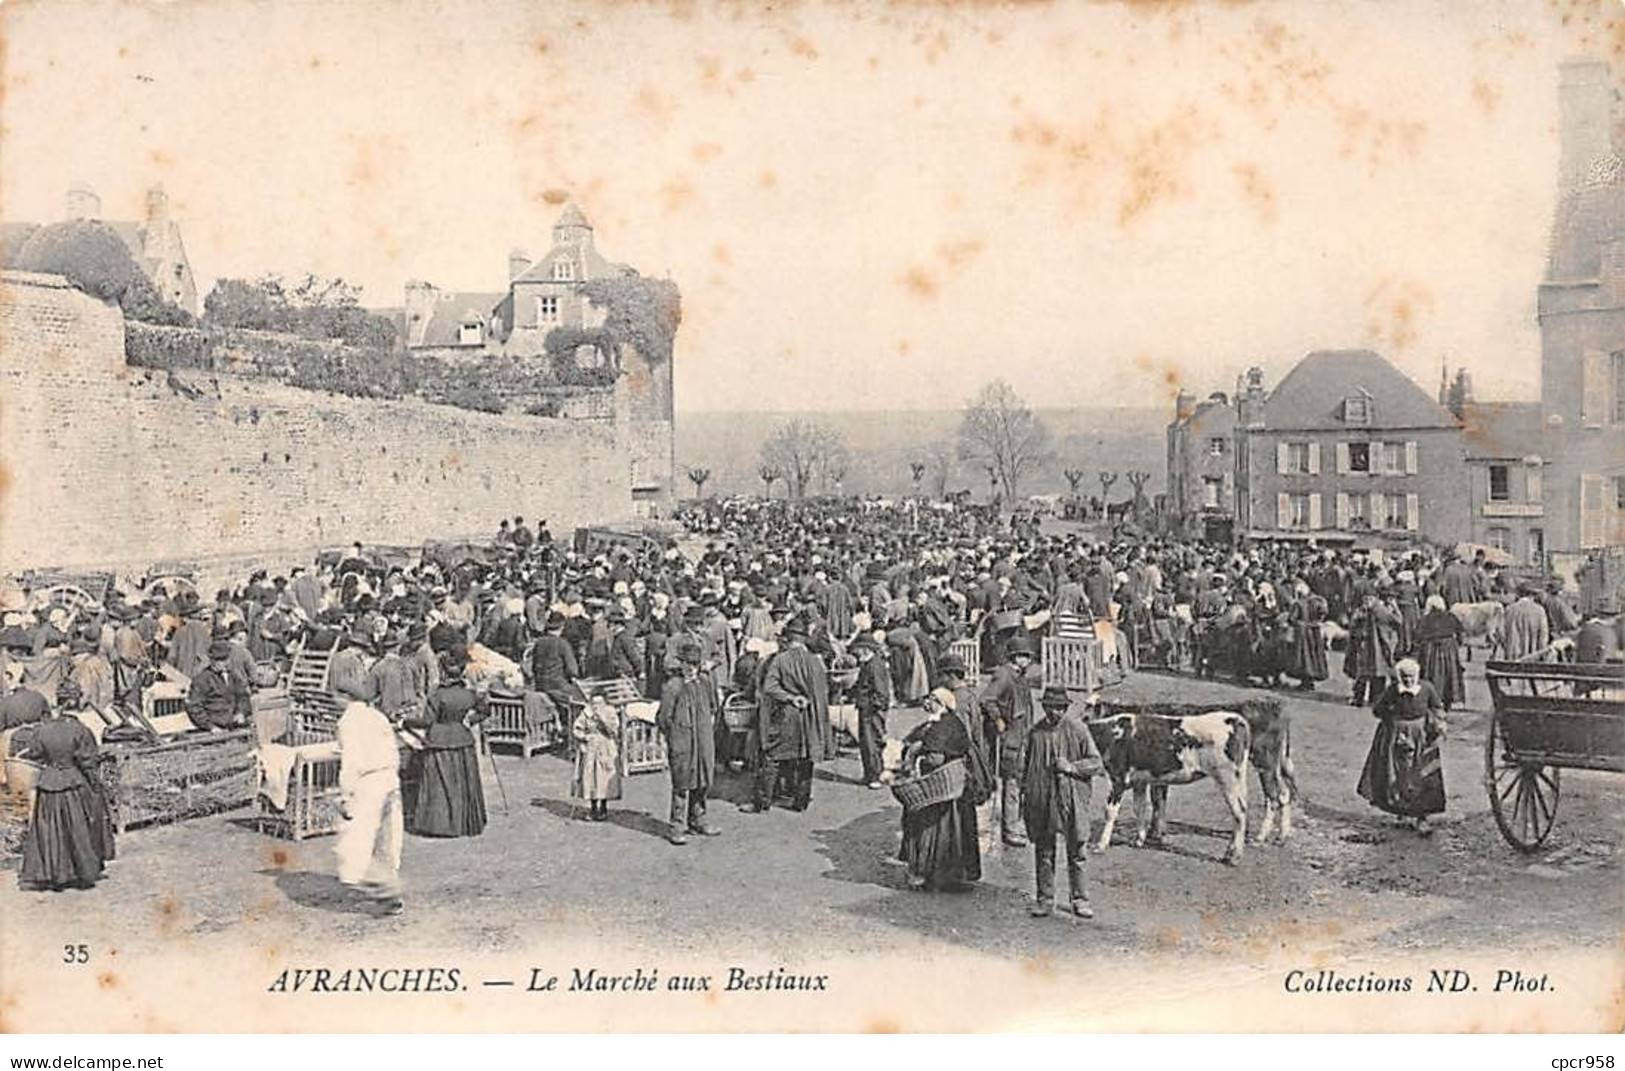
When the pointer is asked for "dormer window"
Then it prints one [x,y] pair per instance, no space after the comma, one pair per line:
[563,270]
[471,333]
[1357,409]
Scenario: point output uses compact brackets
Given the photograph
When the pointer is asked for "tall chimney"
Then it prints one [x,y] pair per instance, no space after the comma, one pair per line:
[81,202]
[1585,109]
[1184,404]
[518,263]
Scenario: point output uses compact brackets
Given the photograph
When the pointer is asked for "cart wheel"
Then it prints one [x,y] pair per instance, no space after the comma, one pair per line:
[1523,797]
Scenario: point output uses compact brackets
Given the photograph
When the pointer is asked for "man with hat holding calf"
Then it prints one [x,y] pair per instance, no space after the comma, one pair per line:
[687,719]
[1061,758]
[369,842]
[1008,710]
[872,695]
[216,699]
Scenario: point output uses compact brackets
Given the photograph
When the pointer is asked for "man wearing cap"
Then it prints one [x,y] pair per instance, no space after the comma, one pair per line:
[350,669]
[687,719]
[553,668]
[216,699]
[792,720]
[391,676]
[872,695]
[369,841]
[189,646]
[1007,707]
[1060,760]
[625,660]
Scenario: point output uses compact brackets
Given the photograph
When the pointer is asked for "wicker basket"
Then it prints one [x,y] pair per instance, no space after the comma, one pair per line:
[739,714]
[945,783]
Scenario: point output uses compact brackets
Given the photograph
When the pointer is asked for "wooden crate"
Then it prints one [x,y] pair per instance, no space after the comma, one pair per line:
[970,651]
[314,806]
[509,725]
[197,774]
[1072,662]
[307,680]
[643,749]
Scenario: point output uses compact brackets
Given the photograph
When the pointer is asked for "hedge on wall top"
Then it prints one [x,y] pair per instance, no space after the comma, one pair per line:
[91,256]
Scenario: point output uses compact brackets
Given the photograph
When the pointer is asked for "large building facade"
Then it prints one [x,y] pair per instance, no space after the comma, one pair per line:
[1201,495]
[1582,318]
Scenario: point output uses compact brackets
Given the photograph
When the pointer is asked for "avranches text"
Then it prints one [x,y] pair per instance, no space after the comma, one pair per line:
[539,980]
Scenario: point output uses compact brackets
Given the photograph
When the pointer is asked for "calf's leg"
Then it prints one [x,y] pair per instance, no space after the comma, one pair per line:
[1114,802]
[1232,784]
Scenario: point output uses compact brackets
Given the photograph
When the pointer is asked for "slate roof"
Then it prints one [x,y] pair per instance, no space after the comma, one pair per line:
[451,308]
[1503,430]
[1310,397]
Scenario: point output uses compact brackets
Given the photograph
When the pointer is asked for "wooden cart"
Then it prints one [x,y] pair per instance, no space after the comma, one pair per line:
[186,777]
[522,721]
[1547,717]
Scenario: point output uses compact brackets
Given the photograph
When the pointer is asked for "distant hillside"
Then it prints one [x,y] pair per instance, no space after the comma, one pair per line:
[883,444]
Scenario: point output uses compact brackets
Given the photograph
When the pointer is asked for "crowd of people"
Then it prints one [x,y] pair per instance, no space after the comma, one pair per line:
[776,608]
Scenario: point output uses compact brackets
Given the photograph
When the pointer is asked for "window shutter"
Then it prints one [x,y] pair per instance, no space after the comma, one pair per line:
[1593,511]
[1413,511]
[1314,511]
[1342,509]
[1533,491]
[1593,389]
[1410,458]
[1342,459]
[1314,459]
[1283,511]
[1376,510]
[1280,458]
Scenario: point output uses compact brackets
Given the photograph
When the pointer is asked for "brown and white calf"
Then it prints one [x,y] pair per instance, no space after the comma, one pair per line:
[1270,753]
[1154,751]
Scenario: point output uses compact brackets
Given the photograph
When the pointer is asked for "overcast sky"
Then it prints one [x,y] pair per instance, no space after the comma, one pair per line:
[865,207]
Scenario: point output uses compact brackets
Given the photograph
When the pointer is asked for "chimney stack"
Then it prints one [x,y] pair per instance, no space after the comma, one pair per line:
[1250,399]
[1184,404]
[519,263]
[1586,113]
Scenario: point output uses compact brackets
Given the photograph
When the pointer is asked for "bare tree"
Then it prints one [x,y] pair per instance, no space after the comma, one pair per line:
[1073,478]
[834,467]
[1137,480]
[799,449]
[917,468]
[1106,481]
[1001,431]
[941,460]
[697,476]
[770,475]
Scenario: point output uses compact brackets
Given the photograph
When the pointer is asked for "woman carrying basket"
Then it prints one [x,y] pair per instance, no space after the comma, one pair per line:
[940,845]
[71,836]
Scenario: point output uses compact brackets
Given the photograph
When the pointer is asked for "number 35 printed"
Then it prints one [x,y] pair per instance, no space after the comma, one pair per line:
[76,954]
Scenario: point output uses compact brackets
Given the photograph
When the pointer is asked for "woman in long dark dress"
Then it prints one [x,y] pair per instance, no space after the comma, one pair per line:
[1309,663]
[71,836]
[1438,649]
[450,799]
[1402,773]
[940,845]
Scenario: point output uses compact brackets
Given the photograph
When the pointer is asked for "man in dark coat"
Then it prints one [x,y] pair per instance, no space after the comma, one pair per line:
[793,720]
[1007,706]
[216,698]
[625,660]
[872,696]
[553,667]
[1061,758]
[687,719]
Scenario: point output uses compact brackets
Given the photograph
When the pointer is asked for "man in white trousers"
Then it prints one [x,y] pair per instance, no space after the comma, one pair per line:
[369,843]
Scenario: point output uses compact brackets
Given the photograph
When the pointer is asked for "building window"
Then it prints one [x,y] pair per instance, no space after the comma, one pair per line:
[1360,457]
[1533,489]
[1297,458]
[1359,515]
[1619,492]
[1393,459]
[1393,511]
[470,335]
[1619,387]
[564,270]
[1500,488]
[1357,409]
[1537,547]
[1215,447]
[1297,514]
[1499,538]
[1212,487]
[547,310]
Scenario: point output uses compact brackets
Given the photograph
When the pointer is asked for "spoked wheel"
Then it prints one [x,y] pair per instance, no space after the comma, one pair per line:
[1523,796]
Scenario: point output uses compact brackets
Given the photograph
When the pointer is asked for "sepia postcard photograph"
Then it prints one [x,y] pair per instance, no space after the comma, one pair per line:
[933,516]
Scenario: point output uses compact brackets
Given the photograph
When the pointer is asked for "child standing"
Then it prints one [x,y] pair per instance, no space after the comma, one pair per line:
[597,732]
